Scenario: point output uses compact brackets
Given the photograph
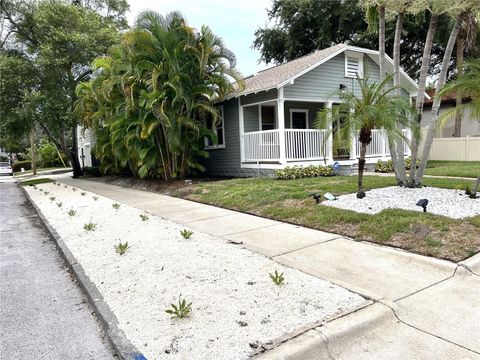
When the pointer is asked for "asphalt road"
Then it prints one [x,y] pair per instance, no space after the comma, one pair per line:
[43,313]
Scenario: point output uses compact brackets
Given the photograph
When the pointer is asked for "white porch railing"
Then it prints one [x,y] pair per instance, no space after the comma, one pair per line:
[305,144]
[300,145]
[379,147]
[261,145]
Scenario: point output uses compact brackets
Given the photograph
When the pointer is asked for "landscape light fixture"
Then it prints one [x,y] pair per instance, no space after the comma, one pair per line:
[343,88]
[423,203]
[316,197]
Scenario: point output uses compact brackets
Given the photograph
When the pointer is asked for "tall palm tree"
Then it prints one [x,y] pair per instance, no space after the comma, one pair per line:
[376,107]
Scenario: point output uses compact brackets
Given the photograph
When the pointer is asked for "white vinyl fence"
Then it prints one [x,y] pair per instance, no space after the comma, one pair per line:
[460,149]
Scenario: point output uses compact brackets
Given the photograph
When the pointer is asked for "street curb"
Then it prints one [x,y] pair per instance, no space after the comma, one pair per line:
[123,348]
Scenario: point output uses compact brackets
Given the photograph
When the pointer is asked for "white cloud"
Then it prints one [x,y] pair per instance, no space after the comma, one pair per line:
[234,21]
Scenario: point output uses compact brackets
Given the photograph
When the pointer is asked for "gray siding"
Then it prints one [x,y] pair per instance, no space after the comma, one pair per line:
[323,82]
[228,157]
[250,118]
[258,97]
[311,107]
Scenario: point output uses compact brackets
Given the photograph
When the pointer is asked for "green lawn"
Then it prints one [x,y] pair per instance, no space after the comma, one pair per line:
[26,172]
[288,200]
[35,181]
[453,168]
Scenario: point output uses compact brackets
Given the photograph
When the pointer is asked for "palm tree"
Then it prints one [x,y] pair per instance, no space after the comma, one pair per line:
[375,108]
[151,95]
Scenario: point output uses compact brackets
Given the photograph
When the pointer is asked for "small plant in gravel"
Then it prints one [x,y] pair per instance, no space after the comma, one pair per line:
[116,206]
[144,217]
[95,198]
[83,193]
[60,204]
[65,186]
[58,184]
[277,277]
[181,310]
[71,212]
[74,189]
[35,187]
[52,198]
[46,192]
[187,234]
[121,248]
[90,226]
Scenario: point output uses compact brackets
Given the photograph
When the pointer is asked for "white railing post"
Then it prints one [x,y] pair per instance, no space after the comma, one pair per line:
[241,129]
[384,144]
[281,125]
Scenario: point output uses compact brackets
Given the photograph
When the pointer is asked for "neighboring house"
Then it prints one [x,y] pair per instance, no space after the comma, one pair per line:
[86,142]
[470,125]
[270,124]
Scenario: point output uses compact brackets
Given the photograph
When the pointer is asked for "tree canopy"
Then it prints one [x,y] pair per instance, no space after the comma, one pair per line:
[58,40]
[303,26]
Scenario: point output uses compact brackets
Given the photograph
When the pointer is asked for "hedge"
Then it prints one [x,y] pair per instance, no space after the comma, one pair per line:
[18,165]
[297,172]
[387,166]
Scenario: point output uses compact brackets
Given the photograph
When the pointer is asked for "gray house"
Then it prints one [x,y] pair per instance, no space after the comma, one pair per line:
[270,124]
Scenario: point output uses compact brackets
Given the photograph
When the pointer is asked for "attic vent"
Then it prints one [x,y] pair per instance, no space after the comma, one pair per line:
[353,65]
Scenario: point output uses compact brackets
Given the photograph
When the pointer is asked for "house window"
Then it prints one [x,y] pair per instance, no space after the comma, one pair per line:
[218,130]
[267,118]
[353,64]
[298,119]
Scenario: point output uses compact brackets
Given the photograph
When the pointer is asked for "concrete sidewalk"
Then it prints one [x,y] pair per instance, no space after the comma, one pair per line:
[421,302]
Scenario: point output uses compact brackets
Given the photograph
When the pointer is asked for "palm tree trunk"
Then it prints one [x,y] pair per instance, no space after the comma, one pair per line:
[437,100]
[458,98]
[427,50]
[381,42]
[361,170]
[396,147]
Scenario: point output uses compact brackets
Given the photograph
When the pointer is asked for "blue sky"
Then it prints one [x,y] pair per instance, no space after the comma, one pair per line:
[234,21]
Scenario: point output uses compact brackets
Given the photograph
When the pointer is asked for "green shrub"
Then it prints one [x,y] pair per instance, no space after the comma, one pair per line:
[277,277]
[387,166]
[181,310]
[92,171]
[297,172]
[48,156]
[18,165]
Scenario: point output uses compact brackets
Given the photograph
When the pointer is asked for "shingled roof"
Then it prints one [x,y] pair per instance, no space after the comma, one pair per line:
[274,76]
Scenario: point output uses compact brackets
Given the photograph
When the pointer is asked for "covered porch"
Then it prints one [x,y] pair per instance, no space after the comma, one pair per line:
[279,133]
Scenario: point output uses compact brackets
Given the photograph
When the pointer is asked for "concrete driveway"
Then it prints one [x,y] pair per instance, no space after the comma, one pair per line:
[43,313]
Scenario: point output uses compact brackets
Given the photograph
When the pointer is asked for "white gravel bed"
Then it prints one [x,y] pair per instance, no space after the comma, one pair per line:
[447,202]
[236,306]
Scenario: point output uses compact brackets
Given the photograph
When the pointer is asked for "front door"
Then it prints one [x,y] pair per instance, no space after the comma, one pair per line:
[299,119]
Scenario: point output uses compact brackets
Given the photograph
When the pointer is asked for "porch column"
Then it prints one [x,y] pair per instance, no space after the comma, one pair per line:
[329,146]
[281,126]
[241,130]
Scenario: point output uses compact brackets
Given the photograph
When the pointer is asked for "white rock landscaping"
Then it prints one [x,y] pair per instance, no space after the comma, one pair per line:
[236,306]
[447,202]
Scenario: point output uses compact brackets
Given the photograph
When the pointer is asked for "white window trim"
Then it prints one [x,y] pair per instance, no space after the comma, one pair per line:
[222,119]
[299,111]
[354,55]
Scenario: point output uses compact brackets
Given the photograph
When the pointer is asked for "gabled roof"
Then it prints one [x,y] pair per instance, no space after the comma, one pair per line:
[283,74]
